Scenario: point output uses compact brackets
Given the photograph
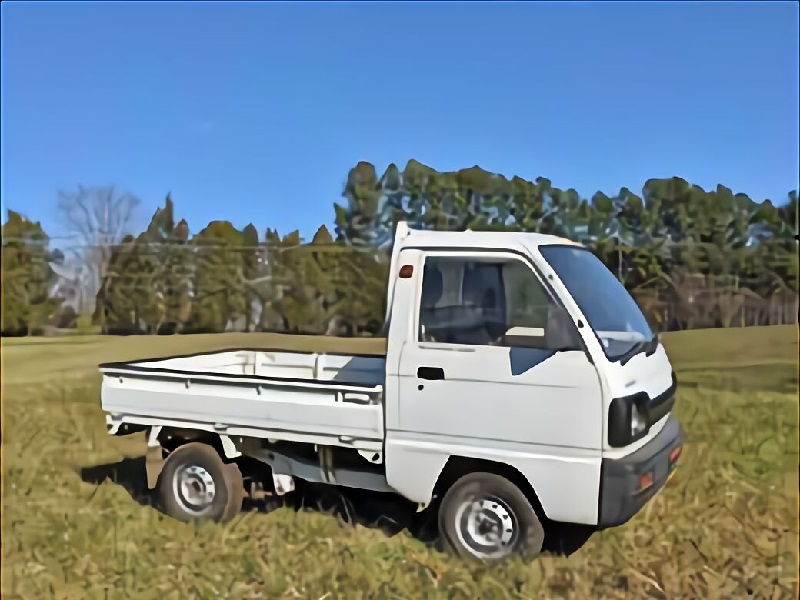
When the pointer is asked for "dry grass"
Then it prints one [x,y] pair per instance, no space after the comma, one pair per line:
[725,527]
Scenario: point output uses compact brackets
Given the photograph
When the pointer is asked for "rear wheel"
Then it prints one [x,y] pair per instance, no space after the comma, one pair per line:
[485,516]
[196,484]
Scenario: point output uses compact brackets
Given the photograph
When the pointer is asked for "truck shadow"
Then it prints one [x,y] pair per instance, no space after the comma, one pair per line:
[388,513]
[128,473]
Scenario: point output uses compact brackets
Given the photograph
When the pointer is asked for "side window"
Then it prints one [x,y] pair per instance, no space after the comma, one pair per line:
[475,302]
[528,301]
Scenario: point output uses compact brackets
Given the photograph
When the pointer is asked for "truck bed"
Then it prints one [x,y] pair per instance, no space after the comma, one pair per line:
[329,399]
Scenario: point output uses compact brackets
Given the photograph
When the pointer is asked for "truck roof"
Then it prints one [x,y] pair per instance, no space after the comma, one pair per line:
[407,237]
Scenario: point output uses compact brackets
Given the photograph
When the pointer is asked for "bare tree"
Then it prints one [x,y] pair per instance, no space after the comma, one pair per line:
[96,219]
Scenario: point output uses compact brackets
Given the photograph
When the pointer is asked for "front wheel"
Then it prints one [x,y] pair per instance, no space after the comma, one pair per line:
[485,516]
[196,484]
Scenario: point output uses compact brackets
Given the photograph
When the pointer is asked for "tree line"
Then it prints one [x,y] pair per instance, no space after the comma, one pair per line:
[692,258]
[224,279]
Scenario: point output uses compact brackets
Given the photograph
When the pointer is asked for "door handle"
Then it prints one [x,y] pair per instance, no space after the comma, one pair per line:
[431,373]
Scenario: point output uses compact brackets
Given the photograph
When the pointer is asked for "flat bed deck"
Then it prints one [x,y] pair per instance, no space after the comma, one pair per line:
[330,399]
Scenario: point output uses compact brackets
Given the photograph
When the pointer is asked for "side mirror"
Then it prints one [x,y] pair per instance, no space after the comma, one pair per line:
[559,333]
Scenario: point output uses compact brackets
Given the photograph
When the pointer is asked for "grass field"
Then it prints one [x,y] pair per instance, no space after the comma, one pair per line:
[725,526]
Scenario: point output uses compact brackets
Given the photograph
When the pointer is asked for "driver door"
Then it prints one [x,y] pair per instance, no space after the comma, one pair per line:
[459,380]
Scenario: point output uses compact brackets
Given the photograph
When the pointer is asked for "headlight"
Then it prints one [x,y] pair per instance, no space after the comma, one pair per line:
[638,422]
[627,422]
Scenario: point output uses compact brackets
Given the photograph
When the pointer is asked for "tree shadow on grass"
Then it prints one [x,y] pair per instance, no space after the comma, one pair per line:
[388,513]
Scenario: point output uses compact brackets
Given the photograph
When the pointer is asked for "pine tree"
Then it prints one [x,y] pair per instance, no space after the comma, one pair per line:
[26,277]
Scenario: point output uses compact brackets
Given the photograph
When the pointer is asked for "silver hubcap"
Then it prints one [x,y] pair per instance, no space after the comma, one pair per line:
[486,527]
[194,488]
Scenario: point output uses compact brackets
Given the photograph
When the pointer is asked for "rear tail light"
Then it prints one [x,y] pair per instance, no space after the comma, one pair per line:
[674,454]
[645,480]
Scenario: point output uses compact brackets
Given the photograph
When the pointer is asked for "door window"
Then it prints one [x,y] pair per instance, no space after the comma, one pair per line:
[476,301]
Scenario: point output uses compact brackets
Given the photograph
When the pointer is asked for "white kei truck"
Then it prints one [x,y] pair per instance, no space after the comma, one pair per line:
[521,385]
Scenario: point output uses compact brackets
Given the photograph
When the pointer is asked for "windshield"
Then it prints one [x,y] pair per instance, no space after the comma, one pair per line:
[609,308]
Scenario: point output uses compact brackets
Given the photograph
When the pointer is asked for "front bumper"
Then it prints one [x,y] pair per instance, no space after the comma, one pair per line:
[620,479]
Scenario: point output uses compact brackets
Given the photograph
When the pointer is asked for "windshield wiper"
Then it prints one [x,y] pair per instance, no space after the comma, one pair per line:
[647,346]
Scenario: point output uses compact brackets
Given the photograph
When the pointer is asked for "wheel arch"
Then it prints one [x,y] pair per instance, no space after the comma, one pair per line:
[458,466]
[161,440]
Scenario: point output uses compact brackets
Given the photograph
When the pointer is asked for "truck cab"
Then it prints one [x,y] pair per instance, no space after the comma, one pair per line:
[521,385]
[524,350]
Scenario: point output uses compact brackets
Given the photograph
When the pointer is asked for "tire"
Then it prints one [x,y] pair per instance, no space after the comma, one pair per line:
[196,484]
[484,516]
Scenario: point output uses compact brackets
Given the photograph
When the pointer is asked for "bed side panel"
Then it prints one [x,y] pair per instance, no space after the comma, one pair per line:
[225,403]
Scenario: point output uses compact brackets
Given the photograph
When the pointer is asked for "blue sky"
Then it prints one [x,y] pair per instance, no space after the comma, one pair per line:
[255,112]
